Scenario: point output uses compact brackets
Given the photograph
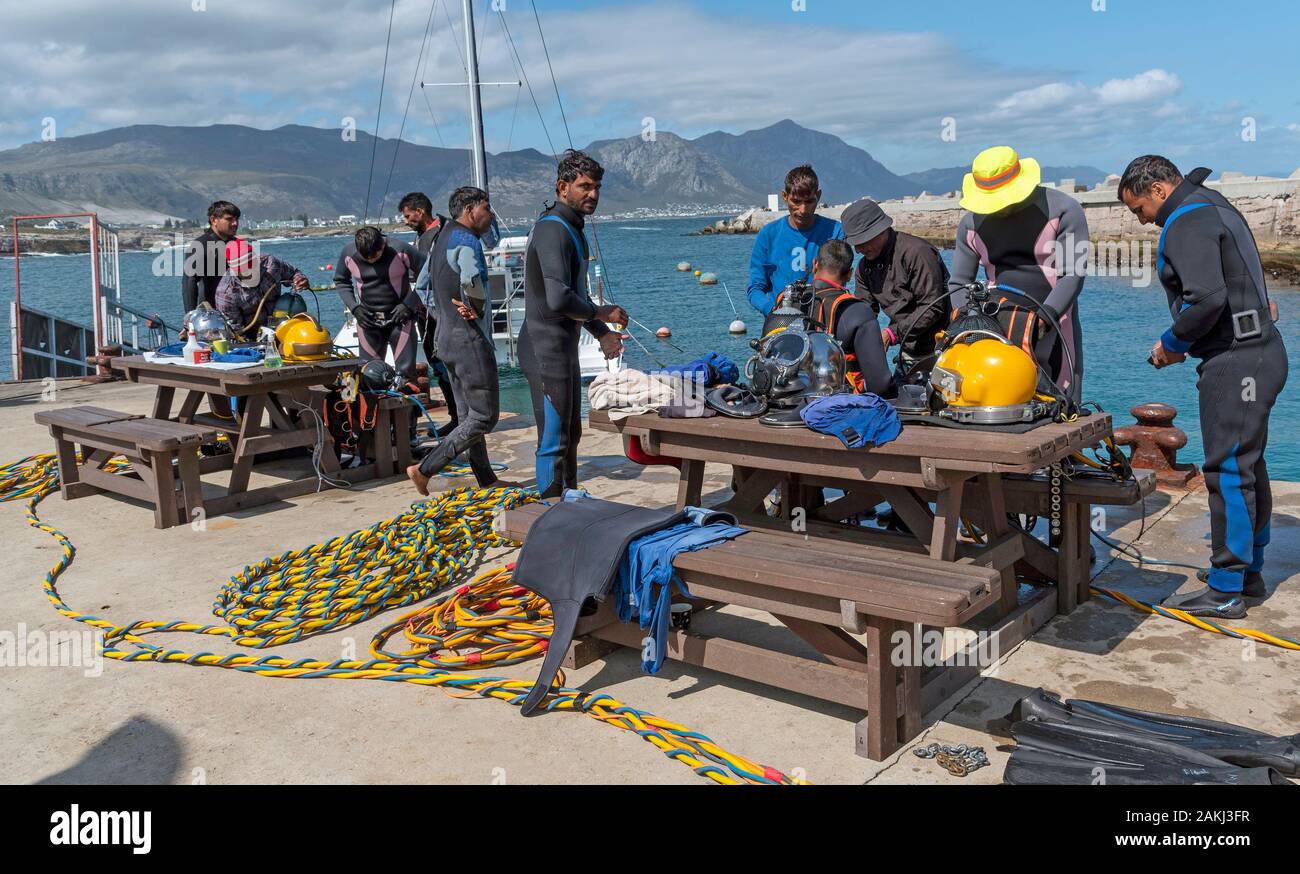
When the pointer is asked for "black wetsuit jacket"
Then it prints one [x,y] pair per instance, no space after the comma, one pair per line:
[556,304]
[851,321]
[424,243]
[906,282]
[1210,269]
[380,286]
[204,265]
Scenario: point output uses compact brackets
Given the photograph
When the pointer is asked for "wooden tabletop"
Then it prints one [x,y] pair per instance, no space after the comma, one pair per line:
[136,366]
[1039,447]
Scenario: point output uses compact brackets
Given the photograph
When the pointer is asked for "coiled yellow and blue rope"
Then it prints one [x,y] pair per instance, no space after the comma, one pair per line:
[393,563]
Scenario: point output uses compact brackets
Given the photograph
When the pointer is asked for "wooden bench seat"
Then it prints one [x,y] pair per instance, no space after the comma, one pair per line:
[163,456]
[824,590]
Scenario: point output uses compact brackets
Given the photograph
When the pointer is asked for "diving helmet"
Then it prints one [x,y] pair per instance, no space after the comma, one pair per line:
[796,301]
[979,314]
[379,375]
[986,380]
[287,305]
[207,324]
[793,365]
[301,338]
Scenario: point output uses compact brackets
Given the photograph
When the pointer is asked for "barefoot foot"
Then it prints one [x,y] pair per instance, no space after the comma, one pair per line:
[420,481]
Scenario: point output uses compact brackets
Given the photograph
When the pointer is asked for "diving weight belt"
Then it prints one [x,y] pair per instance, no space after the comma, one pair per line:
[572,553]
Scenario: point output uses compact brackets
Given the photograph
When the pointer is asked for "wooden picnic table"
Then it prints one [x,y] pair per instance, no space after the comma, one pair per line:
[856,594]
[960,471]
[272,421]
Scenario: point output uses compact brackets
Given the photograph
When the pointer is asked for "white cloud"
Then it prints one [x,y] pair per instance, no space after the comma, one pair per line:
[1145,87]
[1050,96]
[96,65]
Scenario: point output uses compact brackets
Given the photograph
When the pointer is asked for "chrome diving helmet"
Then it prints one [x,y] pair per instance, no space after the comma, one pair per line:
[207,324]
[792,365]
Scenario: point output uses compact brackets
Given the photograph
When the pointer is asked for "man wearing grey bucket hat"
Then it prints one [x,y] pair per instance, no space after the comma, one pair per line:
[900,274]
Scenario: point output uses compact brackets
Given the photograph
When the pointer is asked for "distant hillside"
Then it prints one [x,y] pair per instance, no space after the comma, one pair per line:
[148,173]
[759,159]
[945,179]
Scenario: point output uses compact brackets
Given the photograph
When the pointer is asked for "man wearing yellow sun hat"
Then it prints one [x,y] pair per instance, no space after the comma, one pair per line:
[1032,240]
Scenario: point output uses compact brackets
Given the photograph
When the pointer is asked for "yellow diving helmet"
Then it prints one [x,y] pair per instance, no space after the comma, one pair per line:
[301,338]
[986,380]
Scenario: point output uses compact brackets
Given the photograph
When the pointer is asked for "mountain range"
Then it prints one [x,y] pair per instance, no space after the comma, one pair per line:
[149,173]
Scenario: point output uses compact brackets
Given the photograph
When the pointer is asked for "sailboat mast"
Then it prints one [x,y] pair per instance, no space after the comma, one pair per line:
[475,99]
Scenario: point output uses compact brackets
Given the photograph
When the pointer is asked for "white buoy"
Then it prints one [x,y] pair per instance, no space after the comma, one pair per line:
[709,279]
[663,332]
[684,266]
[737,327]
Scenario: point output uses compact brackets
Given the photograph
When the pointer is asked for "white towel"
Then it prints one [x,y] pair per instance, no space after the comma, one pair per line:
[631,392]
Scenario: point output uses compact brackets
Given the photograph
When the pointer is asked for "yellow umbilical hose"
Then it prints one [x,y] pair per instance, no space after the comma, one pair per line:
[351,578]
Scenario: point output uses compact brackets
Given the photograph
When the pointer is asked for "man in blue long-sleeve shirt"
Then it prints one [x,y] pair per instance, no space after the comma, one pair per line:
[784,249]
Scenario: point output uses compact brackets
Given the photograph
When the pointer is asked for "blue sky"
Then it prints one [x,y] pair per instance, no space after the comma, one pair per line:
[1056,78]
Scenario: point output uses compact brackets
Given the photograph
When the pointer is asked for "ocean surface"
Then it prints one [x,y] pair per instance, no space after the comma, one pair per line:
[1120,321]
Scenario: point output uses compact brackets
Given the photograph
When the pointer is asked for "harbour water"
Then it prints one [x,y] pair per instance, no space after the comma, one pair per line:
[1120,321]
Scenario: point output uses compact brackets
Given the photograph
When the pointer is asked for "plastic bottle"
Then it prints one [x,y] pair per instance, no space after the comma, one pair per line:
[270,351]
[195,352]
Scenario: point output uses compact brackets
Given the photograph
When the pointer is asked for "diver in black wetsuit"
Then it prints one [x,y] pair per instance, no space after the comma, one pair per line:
[376,279]
[850,320]
[418,215]
[459,274]
[556,307]
[1210,268]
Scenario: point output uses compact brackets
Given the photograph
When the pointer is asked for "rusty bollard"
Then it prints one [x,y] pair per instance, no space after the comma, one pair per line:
[103,364]
[1155,442]
[422,381]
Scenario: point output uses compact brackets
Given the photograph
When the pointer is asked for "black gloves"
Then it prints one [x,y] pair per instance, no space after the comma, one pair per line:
[400,313]
[365,318]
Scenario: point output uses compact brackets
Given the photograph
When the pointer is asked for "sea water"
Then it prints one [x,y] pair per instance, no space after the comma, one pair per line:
[1120,321]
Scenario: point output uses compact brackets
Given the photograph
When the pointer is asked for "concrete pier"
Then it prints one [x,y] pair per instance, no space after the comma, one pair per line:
[152,723]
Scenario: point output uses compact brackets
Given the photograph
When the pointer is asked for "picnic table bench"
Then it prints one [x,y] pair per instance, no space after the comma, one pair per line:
[815,555]
[163,457]
[825,591]
[282,412]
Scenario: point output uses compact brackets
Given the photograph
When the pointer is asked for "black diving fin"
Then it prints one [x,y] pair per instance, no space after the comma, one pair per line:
[1222,740]
[1055,754]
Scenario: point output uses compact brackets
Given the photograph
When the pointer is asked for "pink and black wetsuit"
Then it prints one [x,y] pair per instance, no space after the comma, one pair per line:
[380,287]
[1038,247]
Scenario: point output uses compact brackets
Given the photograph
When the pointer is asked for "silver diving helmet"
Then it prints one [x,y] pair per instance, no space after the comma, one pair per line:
[207,324]
[793,365]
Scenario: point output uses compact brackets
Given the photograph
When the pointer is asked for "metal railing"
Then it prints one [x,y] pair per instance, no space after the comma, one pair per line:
[126,324]
[44,345]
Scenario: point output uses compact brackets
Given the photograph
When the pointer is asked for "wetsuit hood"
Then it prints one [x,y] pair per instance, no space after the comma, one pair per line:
[572,553]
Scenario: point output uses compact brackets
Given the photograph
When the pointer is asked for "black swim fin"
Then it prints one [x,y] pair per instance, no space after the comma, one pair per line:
[1053,754]
[1222,740]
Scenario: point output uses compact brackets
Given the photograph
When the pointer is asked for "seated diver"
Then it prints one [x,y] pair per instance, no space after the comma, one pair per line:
[849,320]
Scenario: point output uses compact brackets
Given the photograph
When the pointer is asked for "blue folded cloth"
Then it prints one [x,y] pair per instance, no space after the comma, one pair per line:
[646,579]
[856,419]
[712,369]
[239,355]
